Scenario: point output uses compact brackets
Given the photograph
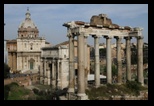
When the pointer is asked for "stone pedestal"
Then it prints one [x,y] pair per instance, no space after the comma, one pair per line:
[82,96]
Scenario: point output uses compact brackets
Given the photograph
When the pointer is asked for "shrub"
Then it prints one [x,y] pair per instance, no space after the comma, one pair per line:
[133,86]
[36,91]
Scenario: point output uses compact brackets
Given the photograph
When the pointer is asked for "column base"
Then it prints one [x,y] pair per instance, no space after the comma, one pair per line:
[41,80]
[82,96]
[45,81]
[142,84]
[118,83]
[53,83]
[48,81]
[70,90]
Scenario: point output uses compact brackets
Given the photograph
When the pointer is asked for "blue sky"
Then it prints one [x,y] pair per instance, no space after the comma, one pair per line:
[49,18]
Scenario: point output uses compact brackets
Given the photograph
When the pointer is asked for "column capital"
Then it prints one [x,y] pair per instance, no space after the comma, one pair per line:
[137,29]
[139,37]
[118,37]
[86,36]
[50,61]
[45,60]
[128,37]
[70,35]
[96,36]
[53,61]
[108,37]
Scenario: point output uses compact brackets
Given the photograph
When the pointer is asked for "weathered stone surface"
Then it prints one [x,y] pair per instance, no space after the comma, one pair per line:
[98,20]
[79,22]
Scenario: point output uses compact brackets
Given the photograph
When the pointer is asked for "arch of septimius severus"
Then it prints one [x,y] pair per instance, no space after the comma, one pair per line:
[101,26]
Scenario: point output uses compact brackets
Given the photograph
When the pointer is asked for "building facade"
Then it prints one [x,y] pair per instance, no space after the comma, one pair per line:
[29,45]
[54,68]
[12,54]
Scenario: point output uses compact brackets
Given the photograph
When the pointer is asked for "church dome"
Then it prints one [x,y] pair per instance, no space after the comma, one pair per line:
[27,23]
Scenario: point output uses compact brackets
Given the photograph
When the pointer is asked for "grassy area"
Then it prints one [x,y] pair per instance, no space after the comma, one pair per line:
[106,91]
[15,92]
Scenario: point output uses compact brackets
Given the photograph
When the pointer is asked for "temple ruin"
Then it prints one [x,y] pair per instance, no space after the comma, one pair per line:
[101,26]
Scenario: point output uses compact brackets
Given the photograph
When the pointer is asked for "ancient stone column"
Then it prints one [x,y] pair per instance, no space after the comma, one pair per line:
[81,73]
[128,58]
[41,72]
[48,74]
[119,63]
[108,59]
[71,86]
[53,74]
[13,62]
[58,73]
[85,61]
[140,76]
[45,77]
[96,61]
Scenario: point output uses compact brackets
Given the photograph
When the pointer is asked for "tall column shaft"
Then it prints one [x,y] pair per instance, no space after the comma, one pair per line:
[128,58]
[53,74]
[13,63]
[58,74]
[81,72]
[71,64]
[85,61]
[45,77]
[119,63]
[41,72]
[48,74]
[108,59]
[97,62]
[140,76]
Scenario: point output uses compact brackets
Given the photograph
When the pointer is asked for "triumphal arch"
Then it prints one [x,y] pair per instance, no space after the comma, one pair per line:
[101,26]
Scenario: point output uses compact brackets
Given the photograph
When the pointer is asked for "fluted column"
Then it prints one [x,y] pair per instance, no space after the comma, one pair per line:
[81,73]
[140,76]
[71,65]
[108,59]
[119,63]
[128,58]
[96,61]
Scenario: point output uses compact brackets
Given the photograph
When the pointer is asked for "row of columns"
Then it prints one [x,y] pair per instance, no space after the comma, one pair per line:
[81,39]
[49,72]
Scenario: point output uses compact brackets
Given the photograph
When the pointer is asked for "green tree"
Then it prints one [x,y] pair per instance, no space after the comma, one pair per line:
[6,70]
[133,54]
